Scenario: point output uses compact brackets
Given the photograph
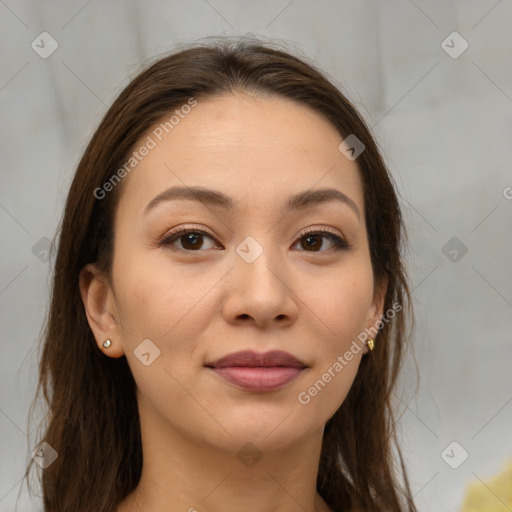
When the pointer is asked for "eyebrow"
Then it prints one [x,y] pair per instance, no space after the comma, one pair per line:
[300,201]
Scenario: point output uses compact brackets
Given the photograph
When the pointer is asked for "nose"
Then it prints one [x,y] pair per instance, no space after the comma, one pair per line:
[260,293]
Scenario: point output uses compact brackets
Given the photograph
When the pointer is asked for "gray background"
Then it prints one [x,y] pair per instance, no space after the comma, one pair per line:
[444,125]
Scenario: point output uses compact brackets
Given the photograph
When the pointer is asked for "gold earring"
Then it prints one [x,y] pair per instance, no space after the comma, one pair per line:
[107,343]
[370,344]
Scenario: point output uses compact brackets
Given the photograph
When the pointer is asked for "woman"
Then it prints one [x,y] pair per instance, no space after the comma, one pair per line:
[228,310]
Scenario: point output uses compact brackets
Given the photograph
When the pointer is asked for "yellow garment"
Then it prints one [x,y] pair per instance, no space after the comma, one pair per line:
[491,496]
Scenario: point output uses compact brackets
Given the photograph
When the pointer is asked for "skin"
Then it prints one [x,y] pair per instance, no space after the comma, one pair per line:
[202,304]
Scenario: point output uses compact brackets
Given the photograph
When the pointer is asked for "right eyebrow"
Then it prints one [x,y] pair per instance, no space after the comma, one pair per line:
[201,194]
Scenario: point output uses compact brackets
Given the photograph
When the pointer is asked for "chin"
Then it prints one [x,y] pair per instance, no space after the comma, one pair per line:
[268,426]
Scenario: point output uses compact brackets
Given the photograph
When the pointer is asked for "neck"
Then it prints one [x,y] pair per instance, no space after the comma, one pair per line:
[182,474]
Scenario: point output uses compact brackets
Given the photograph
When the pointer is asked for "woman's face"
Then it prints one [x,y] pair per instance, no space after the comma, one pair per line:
[246,277]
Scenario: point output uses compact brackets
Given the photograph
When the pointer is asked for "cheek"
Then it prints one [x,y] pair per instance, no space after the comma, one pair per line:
[344,302]
[162,301]
[157,303]
[343,306]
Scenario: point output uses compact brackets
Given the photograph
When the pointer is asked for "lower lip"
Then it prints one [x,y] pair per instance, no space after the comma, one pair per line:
[258,378]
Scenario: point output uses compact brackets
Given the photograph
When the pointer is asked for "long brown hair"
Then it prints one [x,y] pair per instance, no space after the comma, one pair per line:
[92,418]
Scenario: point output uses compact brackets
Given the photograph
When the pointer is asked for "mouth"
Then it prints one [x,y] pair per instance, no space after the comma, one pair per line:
[258,372]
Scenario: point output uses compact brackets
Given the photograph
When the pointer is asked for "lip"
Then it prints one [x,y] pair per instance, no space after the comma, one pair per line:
[258,372]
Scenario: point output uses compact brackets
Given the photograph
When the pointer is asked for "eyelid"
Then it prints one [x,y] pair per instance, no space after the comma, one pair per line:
[339,240]
[182,231]
[185,227]
[315,229]
[320,230]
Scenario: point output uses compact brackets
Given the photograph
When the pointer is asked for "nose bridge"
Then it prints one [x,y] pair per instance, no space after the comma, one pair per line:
[258,263]
[259,283]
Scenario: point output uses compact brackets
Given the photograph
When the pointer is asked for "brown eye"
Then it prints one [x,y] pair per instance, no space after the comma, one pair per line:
[191,239]
[314,240]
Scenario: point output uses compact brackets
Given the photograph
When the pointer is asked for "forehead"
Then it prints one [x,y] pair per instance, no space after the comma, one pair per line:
[258,148]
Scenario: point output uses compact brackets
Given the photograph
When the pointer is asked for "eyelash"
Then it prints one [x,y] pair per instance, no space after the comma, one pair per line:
[339,243]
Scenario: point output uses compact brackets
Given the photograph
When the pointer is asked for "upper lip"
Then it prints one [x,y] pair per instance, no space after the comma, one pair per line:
[253,359]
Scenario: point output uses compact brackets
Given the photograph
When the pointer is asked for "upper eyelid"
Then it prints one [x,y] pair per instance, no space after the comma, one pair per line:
[183,230]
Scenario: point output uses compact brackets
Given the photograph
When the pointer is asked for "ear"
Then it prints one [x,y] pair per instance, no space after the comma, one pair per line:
[376,309]
[99,303]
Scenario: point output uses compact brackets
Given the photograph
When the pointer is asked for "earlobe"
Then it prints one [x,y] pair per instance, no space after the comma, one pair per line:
[96,294]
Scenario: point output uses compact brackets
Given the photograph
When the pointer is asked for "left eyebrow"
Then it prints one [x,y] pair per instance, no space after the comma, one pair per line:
[311,198]
[300,201]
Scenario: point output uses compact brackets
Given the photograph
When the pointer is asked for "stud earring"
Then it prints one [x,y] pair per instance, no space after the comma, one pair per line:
[107,343]
[371,344]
